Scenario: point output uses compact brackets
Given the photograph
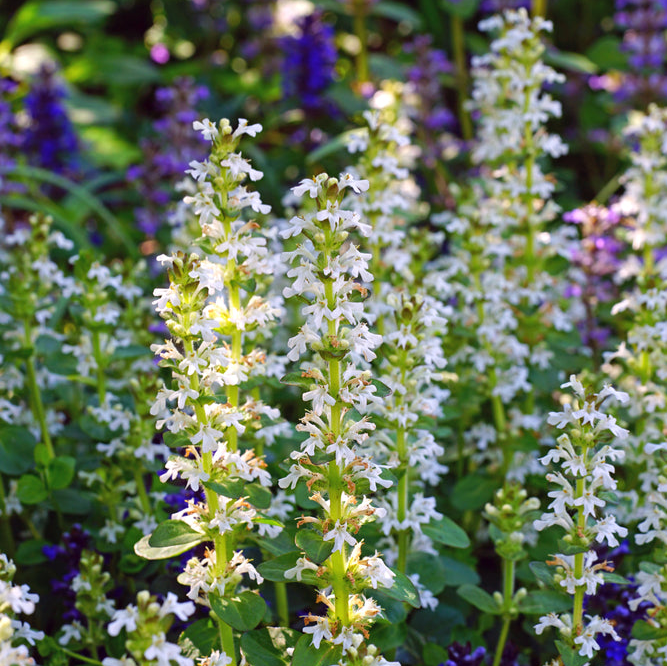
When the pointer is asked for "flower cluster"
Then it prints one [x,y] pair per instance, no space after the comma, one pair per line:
[576,507]
[330,462]
[145,627]
[15,635]
[210,305]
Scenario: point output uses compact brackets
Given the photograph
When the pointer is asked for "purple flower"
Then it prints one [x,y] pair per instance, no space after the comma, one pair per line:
[309,63]
[49,140]
[464,655]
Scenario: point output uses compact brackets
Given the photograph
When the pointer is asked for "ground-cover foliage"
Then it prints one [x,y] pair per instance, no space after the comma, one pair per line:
[333,333]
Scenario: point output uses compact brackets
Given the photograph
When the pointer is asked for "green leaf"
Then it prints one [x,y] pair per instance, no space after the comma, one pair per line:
[274,570]
[458,573]
[461,8]
[568,548]
[242,612]
[108,148]
[60,472]
[402,590]
[130,352]
[175,440]
[447,532]
[259,496]
[386,636]
[114,227]
[606,53]
[543,572]
[34,17]
[31,552]
[381,390]
[276,546]
[434,655]
[472,492]
[108,68]
[174,533]
[268,646]
[31,490]
[574,62]
[610,577]
[143,549]
[72,501]
[397,12]
[333,146]
[314,546]
[16,450]
[305,653]
[643,631]
[265,520]
[540,602]
[570,656]
[431,571]
[297,379]
[479,598]
[204,635]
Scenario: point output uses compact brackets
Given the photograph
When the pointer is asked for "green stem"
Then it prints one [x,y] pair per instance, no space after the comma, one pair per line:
[458,44]
[539,8]
[361,31]
[403,499]
[79,657]
[509,568]
[141,491]
[35,394]
[282,607]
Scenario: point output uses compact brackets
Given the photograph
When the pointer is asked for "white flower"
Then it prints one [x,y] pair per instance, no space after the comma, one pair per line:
[340,535]
[319,631]
[302,564]
[207,128]
[126,617]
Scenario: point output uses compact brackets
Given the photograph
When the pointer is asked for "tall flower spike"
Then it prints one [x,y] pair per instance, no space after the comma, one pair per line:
[330,462]
[210,305]
[576,507]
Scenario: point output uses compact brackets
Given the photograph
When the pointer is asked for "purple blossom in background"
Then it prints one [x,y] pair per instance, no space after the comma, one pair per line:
[644,23]
[464,655]
[10,136]
[260,45]
[49,140]
[497,6]
[597,259]
[69,554]
[166,156]
[309,61]
[430,113]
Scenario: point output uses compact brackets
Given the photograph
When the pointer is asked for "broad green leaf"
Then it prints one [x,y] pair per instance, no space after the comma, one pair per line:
[644,631]
[268,646]
[568,548]
[109,148]
[174,533]
[431,571]
[461,8]
[479,598]
[305,653]
[276,546]
[31,490]
[387,636]
[34,17]
[574,62]
[398,12]
[570,656]
[447,532]
[274,570]
[73,501]
[60,472]
[610,577]
[297,379]
[543,572]
[16,449]
[31,552]
[540,602]
[259,496]
[402,590]
[204,635]
[242,612]
[434,654]
[472,492]
[458,573]
[314,546]
[381,390]
[143,549]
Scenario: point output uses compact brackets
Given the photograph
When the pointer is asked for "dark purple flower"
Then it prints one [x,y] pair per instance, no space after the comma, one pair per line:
[464,655]
[167,155]
[309,61]
[49,140]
